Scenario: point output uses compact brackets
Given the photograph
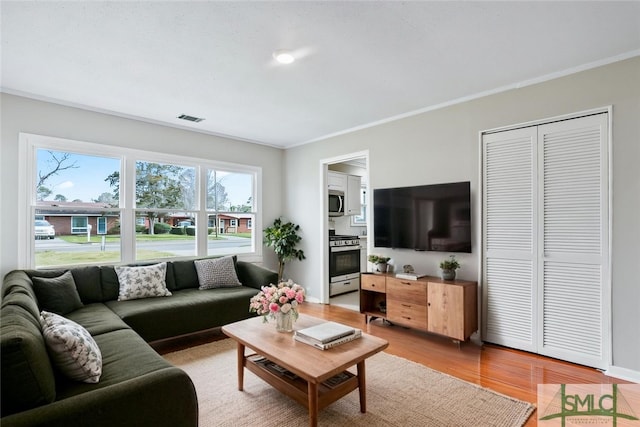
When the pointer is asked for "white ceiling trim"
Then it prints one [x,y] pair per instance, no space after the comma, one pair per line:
[463,99]
[128,116]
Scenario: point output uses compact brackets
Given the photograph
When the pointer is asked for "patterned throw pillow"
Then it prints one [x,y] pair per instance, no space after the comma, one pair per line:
[72,348]
[142,282]
[217,273]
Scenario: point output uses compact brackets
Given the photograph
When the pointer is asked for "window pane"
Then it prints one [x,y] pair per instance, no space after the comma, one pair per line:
[229,191]
[165,186]
[56,245]
[230,234]
[76,178]
[165,234]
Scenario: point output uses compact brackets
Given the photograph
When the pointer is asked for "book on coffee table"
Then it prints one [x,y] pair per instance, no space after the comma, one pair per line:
[357,333]
[325,332]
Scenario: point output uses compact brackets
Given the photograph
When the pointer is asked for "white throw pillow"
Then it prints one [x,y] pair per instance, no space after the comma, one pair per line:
[217,273]
[72,348]
[142,281]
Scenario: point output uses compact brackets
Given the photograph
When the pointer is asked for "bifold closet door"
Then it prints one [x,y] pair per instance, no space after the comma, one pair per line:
[573,264]
[545,239]
[509,238]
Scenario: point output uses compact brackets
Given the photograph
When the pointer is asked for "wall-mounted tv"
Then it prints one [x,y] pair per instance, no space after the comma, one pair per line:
[425,218]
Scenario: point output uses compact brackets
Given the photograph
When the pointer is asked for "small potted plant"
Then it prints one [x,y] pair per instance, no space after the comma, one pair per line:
[448,268]
[380,262]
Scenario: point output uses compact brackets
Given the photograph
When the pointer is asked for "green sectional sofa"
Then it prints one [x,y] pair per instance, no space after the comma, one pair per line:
[137,387]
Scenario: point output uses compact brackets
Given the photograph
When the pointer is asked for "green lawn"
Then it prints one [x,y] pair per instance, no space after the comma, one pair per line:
[48,258]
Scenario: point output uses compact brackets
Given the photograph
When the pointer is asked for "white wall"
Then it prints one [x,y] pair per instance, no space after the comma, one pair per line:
[443,146]
[20,114]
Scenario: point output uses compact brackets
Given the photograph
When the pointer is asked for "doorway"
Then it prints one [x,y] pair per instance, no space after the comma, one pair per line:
[355,164]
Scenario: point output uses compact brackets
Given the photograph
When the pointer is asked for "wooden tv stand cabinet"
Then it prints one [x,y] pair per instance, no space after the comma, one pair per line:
[444,307]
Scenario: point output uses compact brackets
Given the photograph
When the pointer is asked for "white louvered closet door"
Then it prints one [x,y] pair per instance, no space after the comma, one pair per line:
[573,201]
[546,239]
[509,270]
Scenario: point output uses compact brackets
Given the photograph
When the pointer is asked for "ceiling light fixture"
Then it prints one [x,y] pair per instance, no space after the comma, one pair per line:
[284,56]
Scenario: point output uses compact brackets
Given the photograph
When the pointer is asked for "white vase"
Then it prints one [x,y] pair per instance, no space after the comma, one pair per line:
[284,321]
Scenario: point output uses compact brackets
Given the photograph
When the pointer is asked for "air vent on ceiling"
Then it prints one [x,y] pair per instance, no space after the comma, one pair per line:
[190,118]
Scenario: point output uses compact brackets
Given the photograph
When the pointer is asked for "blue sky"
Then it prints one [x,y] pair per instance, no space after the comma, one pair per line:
[86,181]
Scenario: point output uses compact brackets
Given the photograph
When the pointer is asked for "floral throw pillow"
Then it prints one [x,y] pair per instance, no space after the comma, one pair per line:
[142,282]
[217,273]
[73,350]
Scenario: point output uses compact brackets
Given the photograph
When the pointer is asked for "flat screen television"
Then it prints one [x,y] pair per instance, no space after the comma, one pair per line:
[424,218]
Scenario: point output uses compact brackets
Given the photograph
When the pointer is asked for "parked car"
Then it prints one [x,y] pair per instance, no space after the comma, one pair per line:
[44,230]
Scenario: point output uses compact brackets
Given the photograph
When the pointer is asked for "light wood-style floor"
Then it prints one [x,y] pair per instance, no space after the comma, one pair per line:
[510,372]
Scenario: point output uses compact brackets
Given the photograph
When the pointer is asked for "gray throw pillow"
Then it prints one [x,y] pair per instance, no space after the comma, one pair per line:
[217,273]
[57,294]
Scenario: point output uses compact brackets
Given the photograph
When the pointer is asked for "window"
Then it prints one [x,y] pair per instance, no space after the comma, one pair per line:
[230,195]
[131,202]
[102,225]
[361,220]
[79,224]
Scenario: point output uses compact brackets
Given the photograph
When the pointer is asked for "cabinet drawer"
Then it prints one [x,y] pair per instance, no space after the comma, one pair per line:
[413,291]
[408,314]
[373,282]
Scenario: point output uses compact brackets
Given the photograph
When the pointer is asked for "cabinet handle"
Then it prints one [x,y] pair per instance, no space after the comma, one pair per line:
[406,283]
[373,285]
[429,304]
[406,317]
[406,305]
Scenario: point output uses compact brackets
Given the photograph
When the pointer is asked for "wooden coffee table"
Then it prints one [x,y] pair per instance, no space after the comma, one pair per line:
[312,377]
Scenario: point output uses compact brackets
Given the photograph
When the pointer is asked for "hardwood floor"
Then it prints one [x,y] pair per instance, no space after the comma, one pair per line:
[510,372]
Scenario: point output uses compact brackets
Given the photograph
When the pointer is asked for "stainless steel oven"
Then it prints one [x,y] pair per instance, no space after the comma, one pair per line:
[344,264]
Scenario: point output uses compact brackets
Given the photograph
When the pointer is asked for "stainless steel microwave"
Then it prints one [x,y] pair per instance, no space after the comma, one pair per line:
[336,203]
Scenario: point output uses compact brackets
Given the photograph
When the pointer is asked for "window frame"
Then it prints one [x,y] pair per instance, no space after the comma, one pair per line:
[31,143]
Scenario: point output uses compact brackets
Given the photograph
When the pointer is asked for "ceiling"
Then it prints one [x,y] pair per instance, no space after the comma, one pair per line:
[358,63]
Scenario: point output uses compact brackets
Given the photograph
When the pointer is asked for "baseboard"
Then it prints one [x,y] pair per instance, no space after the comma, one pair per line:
[623,373]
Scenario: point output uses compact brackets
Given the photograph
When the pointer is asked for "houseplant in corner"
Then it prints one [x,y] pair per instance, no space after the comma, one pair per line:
[380,262]
[283,238]
[448,268]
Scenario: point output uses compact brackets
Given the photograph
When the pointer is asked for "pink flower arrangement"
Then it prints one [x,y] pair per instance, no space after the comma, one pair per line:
[272,299]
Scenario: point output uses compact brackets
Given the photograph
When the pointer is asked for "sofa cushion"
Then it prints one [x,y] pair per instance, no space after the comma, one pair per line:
[97,319]
[57,294]
[187,311]
[217,273]
[27,376]
[142,281]
[125,356]
[73,350]
[88,283]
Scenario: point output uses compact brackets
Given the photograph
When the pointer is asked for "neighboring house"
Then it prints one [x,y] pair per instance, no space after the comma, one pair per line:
[77,217]
[226,223]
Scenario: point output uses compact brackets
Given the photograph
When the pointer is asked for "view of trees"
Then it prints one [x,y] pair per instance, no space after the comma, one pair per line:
[158,187]
[58,163]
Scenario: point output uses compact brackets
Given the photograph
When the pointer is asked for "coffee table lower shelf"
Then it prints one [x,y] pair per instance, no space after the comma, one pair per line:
[298,388]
